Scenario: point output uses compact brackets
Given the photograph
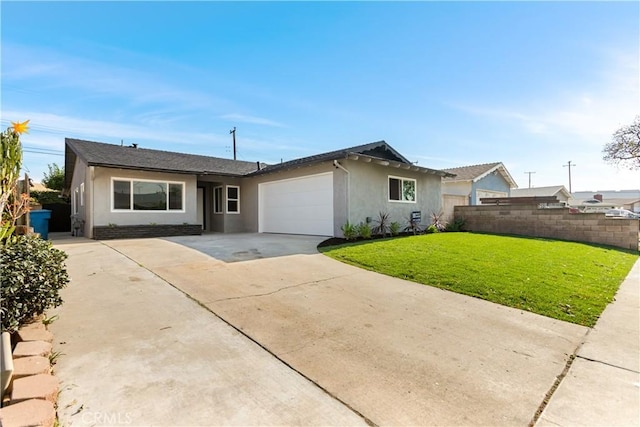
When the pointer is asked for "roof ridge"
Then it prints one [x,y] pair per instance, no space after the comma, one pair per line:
[157,150]
[492,164]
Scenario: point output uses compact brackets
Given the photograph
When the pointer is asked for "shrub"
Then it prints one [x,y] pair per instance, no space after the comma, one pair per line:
[431,229]
[364,230]
[382,224]
[49,197]
[437,221]
[456,225]
[32,273]
[394,228]
[349,231]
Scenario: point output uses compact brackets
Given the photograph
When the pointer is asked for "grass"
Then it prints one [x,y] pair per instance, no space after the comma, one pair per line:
[568,281]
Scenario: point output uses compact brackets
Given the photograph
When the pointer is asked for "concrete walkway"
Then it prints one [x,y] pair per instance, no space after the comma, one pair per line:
[378,349]
[136,351]
[602,387]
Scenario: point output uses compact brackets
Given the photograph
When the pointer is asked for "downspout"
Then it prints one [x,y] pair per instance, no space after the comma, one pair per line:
[89,203]
[339,166]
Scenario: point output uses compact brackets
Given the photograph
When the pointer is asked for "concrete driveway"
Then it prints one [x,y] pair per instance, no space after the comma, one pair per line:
[249,246]
[397,352]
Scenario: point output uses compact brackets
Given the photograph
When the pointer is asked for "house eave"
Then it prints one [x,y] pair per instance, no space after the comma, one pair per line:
[397,165]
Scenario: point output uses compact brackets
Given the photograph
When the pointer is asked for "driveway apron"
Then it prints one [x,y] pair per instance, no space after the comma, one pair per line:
[397,352]
[137,351]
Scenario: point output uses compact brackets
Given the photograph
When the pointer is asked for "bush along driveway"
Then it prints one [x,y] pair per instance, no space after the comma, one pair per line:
[568,281]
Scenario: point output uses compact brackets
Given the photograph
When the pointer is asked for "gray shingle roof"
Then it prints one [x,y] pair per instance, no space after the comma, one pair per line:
[539,191]
[101,154]
[468,173]
[126,157]
[379,149]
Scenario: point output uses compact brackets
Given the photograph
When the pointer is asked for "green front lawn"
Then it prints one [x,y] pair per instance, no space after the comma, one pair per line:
[564,280]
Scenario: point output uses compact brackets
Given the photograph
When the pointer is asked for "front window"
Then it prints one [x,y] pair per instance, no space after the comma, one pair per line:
[233,199]
[147,195]
[402,189]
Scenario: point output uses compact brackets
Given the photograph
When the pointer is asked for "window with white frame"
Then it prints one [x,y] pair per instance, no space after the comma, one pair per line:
[82,194]
[217,200]
[147,195]
[402,189]
[233,199]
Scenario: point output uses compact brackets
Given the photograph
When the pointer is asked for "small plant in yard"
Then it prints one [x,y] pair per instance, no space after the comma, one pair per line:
[382,224]
[49,320]
[413,227]
[364,230]
[431,229]
[394,228]
[456,225]
[349,231]
[32,273]
[437,221]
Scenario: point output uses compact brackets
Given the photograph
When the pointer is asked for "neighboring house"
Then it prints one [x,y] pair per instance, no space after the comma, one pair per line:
[478,181]
[112,185]
[603,200]
[558,191]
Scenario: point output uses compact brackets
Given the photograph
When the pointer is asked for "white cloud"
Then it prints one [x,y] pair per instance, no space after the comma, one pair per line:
[250,119]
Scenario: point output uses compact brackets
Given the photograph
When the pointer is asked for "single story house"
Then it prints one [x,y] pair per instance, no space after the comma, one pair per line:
[560,192]
[602,200]
[478,181]
[128,191]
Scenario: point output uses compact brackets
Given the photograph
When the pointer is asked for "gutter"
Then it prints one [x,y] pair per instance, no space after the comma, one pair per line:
[339,166]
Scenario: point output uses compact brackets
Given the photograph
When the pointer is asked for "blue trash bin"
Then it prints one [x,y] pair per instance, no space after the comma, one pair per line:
[40,222]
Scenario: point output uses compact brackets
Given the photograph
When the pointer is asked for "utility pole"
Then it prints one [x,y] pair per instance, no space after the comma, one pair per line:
[233,132]
[569,166]
[530,177]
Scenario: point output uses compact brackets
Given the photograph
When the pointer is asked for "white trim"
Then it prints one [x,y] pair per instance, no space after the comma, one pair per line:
[227,200]
[402,178]
[74,200]
[162,181]
[82,194]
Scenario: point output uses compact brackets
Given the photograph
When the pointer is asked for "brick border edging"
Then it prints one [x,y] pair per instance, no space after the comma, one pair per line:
[33,391]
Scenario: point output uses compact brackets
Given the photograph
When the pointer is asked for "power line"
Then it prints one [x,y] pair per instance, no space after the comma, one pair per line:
[569,165]
[530,177]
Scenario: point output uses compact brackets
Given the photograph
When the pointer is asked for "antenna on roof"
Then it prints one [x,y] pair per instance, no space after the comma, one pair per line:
[122,143]
[233,132]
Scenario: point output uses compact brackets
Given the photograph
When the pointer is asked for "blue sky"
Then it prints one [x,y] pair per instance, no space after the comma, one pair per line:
[530,84]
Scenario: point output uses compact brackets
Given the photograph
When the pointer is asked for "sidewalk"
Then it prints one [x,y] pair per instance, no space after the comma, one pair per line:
[136,351]
[602,386]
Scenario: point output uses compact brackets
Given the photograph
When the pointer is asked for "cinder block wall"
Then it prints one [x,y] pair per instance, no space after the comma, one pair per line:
[551,223]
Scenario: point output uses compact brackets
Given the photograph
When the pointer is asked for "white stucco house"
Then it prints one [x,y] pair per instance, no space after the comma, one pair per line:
[129,191]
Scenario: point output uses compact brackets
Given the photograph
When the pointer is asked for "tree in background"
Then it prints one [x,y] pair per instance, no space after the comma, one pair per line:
[624,148]
[55,178]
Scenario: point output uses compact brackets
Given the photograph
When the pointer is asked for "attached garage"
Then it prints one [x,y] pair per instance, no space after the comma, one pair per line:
[301,205]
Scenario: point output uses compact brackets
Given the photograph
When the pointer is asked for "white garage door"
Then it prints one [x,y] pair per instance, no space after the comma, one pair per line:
[297,206]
